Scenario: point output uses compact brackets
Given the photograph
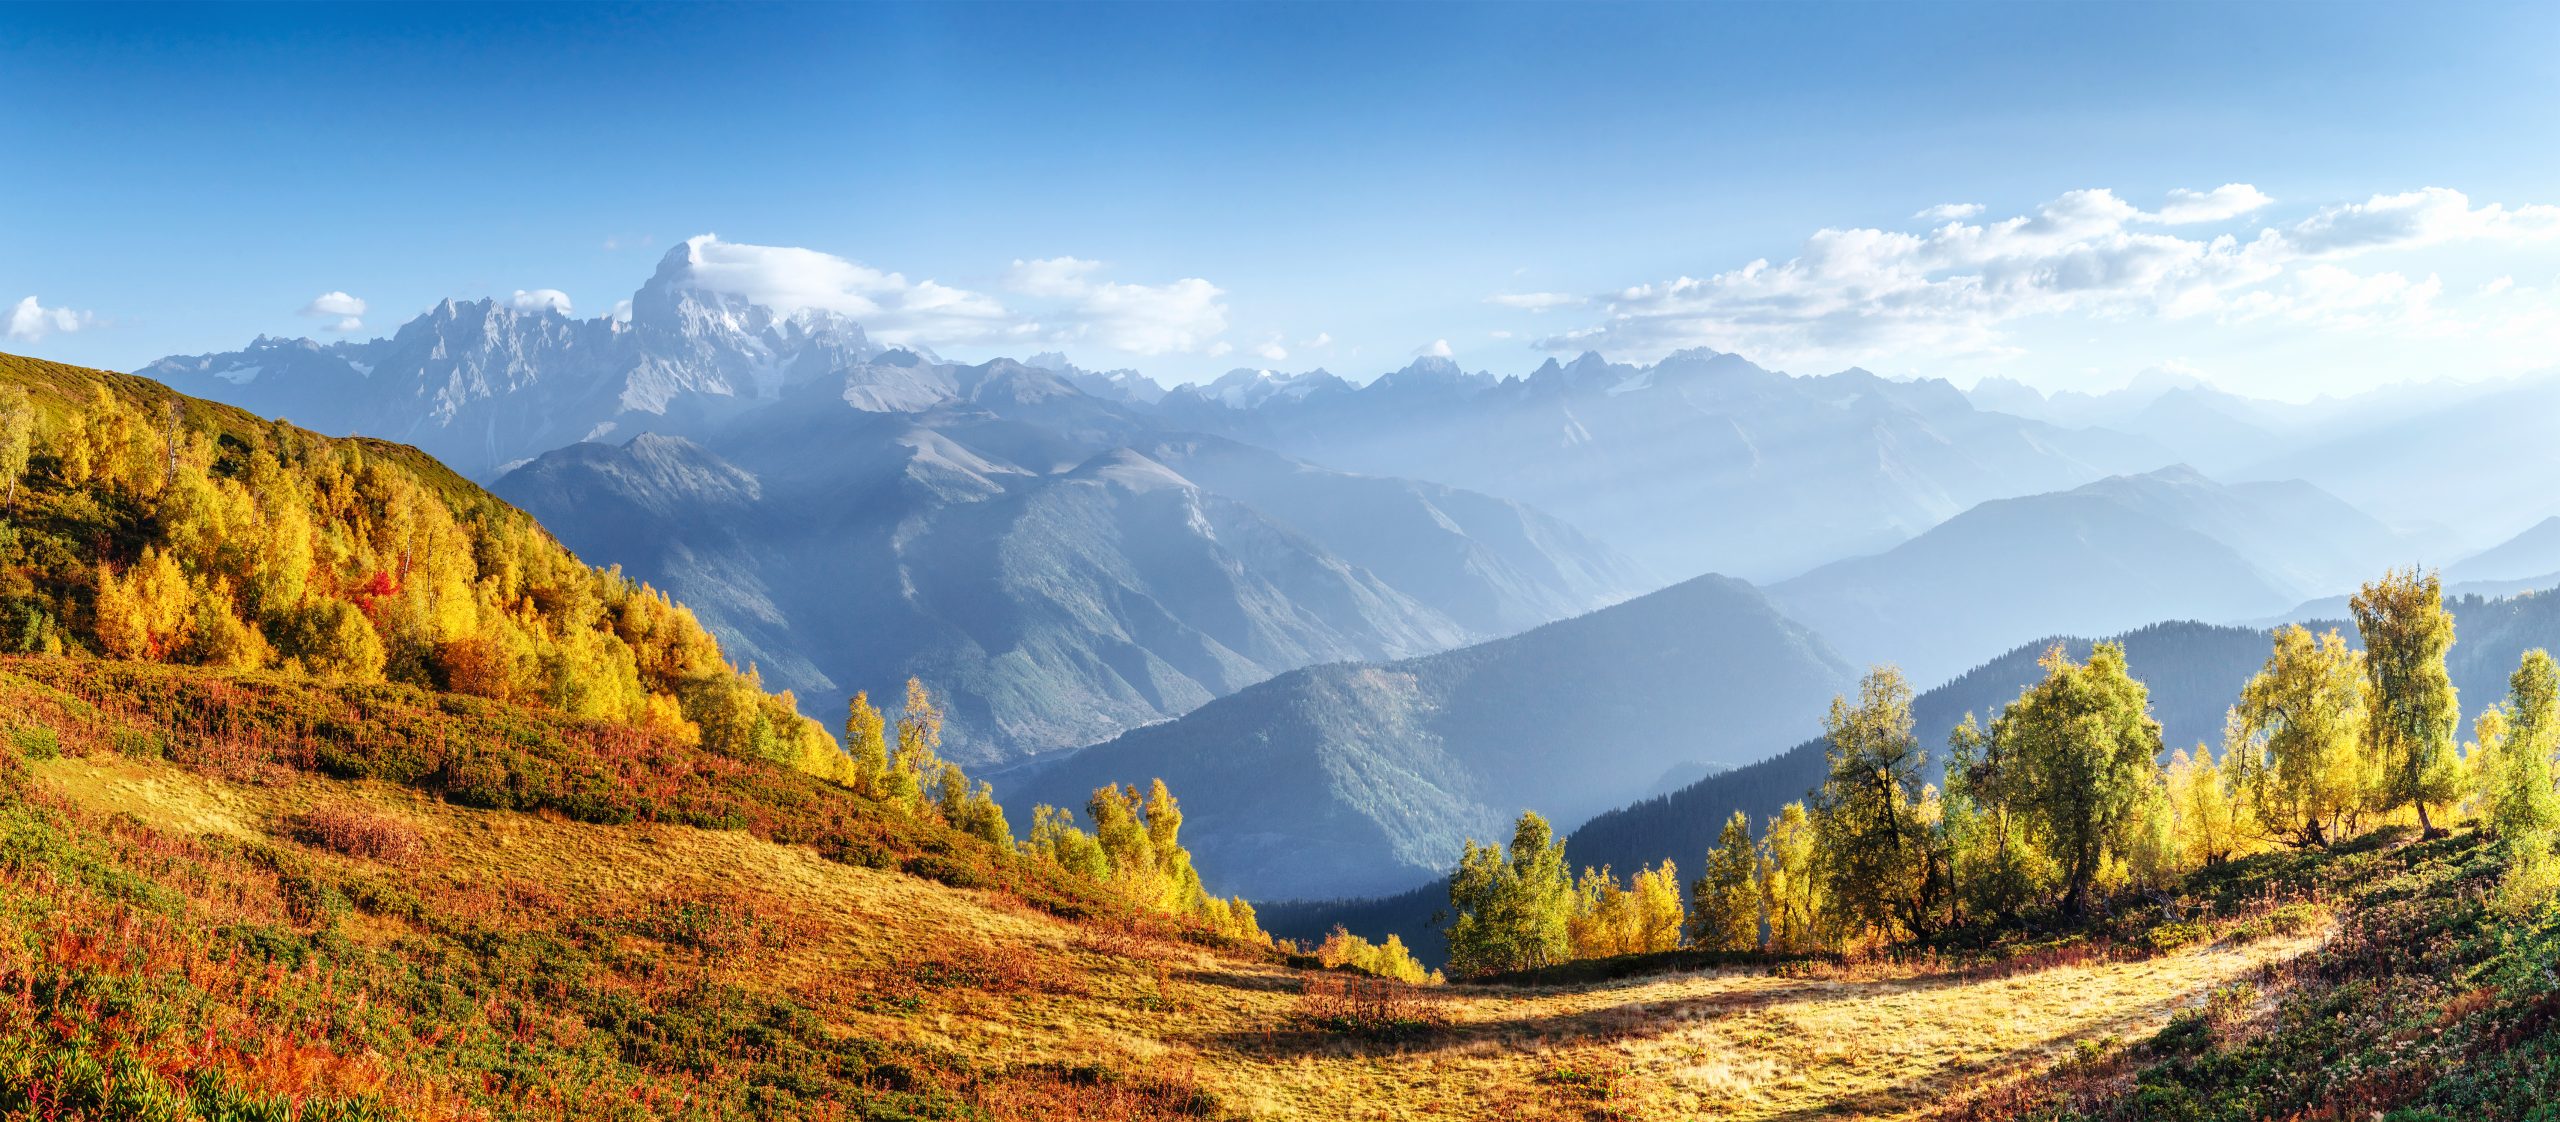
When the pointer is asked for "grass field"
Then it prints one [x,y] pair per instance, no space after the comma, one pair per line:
[1000,986]
[243,897]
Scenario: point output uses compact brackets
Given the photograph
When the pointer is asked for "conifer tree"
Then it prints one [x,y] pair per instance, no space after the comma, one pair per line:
[2296,741]
[1725,902]
[2410,732]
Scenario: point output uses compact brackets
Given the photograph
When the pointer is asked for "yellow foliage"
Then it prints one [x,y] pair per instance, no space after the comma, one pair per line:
[1342,949]
[268,547]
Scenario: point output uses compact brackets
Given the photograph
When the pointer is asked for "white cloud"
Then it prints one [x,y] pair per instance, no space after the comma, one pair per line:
[1322,340]
[621,312]
[1272,349]
[1219,348]
[1499,334]
[333,304]
[541,299]
[1064,300]
[889,306]
[1868,295]
[1138,318]
[2229,201]
[347,310]
[30,321]
[2425,217]
[1537,301]
[1949,212]
[1437,348]
[2497,285]
[2338,299]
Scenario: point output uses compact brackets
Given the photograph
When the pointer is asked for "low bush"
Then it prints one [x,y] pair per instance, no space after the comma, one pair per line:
[1370,1008]
[36,742]
[2173,935]
[355,831]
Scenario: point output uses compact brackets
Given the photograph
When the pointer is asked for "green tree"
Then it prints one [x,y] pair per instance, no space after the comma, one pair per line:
[2522,808]
[1056,837]
[1878,869]
[2416,714]
[2085,754]
[1724,910]
[1511,911]
[1995,867]
[2296,741]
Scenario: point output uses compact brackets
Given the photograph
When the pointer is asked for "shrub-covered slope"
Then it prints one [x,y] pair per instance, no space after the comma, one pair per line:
[150,526]
[249,896]
[236,895]
[2426,1006]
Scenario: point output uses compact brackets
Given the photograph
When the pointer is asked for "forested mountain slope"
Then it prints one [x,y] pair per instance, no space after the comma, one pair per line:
[1363,777]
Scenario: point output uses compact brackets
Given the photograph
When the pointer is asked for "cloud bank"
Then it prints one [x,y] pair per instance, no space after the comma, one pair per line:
[30,321]
[1056,300]
[1958,288]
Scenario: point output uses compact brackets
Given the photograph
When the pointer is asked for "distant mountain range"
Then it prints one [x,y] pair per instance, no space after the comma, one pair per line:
[1070,554]
[1044,560]
[2528,555]
[1702,462]
[1360,778]
[483,386]
[2113,554]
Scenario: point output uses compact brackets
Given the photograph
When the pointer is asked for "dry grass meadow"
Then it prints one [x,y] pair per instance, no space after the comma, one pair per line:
[892,957]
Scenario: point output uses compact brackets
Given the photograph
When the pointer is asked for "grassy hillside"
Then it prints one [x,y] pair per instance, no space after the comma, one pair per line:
[231,893]
[238,895]
[2424,1007]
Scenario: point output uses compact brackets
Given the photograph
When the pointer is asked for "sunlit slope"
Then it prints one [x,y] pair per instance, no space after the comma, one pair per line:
[241,889]
[147,526]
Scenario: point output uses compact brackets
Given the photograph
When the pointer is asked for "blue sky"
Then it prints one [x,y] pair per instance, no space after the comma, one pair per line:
[1189,188]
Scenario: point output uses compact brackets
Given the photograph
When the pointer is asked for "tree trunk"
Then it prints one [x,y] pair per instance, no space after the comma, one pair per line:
[2426,829]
